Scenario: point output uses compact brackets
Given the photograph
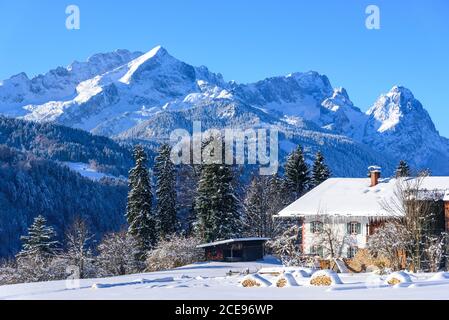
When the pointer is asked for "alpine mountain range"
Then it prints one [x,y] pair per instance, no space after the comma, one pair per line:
[134,96]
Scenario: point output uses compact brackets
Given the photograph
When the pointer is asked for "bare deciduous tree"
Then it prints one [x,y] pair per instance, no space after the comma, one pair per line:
[435,250]
[286,246]
[330,237]
[78,252]
[390,242]
[118,255]
[414,211]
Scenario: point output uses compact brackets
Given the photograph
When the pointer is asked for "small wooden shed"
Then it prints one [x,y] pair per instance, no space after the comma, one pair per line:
[235,250]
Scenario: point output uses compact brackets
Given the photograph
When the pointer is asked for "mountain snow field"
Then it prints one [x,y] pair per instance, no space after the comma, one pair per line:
[212,281]
[145,96]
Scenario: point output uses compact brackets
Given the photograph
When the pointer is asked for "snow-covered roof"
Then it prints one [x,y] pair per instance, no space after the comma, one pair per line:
[213,244]
[355,197]
[446,196]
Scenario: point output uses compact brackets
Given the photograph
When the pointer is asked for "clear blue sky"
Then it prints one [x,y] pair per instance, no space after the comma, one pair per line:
[249,40]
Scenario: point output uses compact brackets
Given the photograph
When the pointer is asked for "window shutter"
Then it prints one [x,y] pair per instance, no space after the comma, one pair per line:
[359,228]
[348,228]
[321,251]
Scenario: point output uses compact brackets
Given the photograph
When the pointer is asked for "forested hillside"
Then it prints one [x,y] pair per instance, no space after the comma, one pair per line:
[56,142]
[32,186]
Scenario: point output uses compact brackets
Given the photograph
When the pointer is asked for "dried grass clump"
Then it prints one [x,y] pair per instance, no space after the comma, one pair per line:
[394,281]
[249,283]
[281,283]
[321,281]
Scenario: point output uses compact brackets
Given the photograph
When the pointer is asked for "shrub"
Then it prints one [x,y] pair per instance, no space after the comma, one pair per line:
[118,255]
[364,259]
[174,252]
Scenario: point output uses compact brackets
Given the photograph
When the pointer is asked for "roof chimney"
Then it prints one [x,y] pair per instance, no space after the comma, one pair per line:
[374,174]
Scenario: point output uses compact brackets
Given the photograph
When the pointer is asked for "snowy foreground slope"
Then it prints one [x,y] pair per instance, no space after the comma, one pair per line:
[208,281]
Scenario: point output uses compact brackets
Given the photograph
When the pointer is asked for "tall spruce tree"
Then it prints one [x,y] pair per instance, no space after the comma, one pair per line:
[164,171]
[216,205]
[141,220]
[277,192]
[320,171]
[297,175]
[40,240]
[261,204]
[256,207]
[403,169]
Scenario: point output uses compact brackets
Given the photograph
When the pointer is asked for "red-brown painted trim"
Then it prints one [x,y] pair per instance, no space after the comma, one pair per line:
[303,235]
[446,214]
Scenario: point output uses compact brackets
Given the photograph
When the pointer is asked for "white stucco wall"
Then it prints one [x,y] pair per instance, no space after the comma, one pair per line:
[339,225]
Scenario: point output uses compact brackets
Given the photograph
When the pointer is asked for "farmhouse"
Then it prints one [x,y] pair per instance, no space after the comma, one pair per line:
[353,208]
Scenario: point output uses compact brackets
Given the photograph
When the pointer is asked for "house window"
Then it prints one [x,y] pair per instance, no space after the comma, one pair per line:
[352,251]
[317,251]
[354,228]
[316,226]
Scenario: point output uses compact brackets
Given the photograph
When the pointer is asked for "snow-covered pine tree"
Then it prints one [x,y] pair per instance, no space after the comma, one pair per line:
[38,260]
[320,171]
[164,171]
[256,207]
[40,241]
[403,169]
[141,220]
[277,192]
[297,175]
[216,205]
[260,206]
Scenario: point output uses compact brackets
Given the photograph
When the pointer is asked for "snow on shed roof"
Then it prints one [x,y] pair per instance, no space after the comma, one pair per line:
[354,197]
[231,241]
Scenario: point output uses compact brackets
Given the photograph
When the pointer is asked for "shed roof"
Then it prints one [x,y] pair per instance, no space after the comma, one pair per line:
[213,244]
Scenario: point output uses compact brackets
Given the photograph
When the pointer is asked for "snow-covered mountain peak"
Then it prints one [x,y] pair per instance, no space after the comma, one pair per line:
[398,92]
[341,92]
[391,108]
[102,62]
[312,80]
[339,99]
[399,124]
[112,93]
[22,76]
[156,53]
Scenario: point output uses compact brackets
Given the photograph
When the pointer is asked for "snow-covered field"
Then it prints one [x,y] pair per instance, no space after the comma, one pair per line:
[209,281]
[86,171]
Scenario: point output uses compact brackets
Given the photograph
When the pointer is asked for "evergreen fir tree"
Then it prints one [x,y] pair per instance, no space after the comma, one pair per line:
[40,240]
[256,207]
[141,221]
[277,192]
[320,171]
[296,174]
[164,171]
[261,204]
[216,205]
[403,169]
